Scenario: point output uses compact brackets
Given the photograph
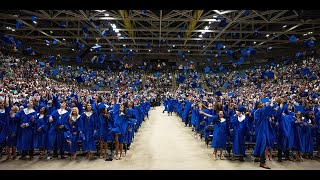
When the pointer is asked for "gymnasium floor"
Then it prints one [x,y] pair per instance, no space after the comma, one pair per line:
[163,143]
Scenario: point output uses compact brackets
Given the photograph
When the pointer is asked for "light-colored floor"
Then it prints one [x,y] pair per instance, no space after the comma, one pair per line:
[163,143]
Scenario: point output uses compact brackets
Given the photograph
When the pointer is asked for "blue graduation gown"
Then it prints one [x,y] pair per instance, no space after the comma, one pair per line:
[186,110]
[170,105]
[50,109]
[56,138]
[261,121]
[25,135]
[308,136]
[286,132]
[132,115]
[89,124]
[193,115]
[299,140]
[219,134]
[4,115]
[40,138]
[121,123]
[239,132]
[208,121]
[165,103]
[73,128]
[13,126]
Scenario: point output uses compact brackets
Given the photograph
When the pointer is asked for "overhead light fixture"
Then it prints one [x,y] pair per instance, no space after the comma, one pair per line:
[13,30]
[224,47]
[173,45]
[119,34]
[35,22]
[111,49]
[267,35]
[106,14]
[214,17]
[188,51]
[63,39]
[149,50]
[203,46]
[130,49]
[51,32]
[100,11]
[114,26]
[206,28]
[200,36]
[47,44]
[309,32]
[116,30]
[168,50]
[284,26]
[305,34]
[72,49]
[254,42]
[124,45]
[210,22]
[203,32]
[90,49]
[270,47]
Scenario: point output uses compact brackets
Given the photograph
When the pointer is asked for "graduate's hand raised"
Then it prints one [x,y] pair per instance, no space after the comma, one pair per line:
[23,125]
[39,129]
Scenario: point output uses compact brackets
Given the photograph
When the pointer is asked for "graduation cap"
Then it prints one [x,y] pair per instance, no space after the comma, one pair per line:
[104,32]
[309,43]
[194,85]
[218,93]
[55,72]
[54,42]
[207,69]
[292,38]
[265,100]
[241,108]
[148,45]
[33,18]
[231,94]
[124,49]
[223,23]
[18,24]
[42,64]
[219,45]
[85,30]
[18,44]
[220,68]
[305,71]
[244,51]
[63,24]
[298,54]
[229,52]
[246,13]
[78,59]
[181,79]
[313,77]
[227,84]
[299,108]
[292,88]
[258,85]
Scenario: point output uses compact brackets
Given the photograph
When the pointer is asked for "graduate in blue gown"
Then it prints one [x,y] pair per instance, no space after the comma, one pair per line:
[121,123]
[194,110]
[74,130]
[170,106]
[58,121]
[107,136]
[165,104]
[132,115]
[89,126]
[299,141]
[310,125]
[261,121]
[285,127]
[240,127]
[26,118]
[209,120]
[40,131]
[219,139]
[186,110]
[13,125]
[50,107]
[4,115]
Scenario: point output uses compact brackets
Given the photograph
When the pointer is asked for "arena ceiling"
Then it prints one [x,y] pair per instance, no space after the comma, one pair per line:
[160,33]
